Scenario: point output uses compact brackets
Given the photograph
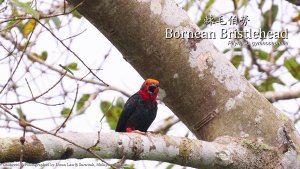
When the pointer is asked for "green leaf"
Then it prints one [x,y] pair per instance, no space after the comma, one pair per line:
[28,27]
[273,80]
[120,102]
[73,66]
[205,12]
[267,85]
[170,166]
[247,73]
[188,5]
[264,87]
[269,18]
[65,112]
[279,54]
[1,1]
[20,26]
[21,114]
[261,54]
[131,166]
[111,112]
[279,42]
[244,3]
[26,8]
[293,67]
[240,3]
[236,60]
[234,49]
[12,24]
[56,21]
[76,14]
[105,105]
[237,49]
[43,56]
[66,68]
[82,100]
[226,50]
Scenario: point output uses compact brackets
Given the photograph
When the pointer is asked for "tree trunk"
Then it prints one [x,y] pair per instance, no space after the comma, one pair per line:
[202,87]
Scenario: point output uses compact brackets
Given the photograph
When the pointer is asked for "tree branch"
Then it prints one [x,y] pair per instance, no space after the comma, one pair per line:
[273,96]
[296,2]
[90,81]
[226,152]
[201,86]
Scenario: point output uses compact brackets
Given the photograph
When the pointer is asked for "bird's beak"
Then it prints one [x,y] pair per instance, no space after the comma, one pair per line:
[152,88]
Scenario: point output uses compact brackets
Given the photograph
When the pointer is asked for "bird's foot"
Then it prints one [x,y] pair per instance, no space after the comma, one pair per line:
[139,132]
[130,130]
[148,133]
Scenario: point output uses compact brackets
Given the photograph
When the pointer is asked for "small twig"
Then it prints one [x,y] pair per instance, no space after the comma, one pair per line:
[97,142]
[36,97]
[74,35]
[104,113]
[110,87]
[19,61]
[43,16]
[17,128]
[60,71]
[69,49]
[45,131]
[248,46]
[64,123]
[9,53]
[105,57]
[88,102]
[48,104]
[65,6]
[29,88]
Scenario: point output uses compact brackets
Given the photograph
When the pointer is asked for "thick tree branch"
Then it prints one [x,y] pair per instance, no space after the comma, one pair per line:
[226,152]
[202,87]
[168,123]
[273,96]
[296,2]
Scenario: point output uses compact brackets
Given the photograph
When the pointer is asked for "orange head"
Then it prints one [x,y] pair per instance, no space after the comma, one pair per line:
[149,89]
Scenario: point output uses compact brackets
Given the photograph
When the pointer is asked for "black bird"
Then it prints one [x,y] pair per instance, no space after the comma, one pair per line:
[140,109]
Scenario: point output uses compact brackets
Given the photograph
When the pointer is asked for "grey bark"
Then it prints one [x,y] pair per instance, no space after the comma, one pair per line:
[273,96]
[226,152]
[202,87]
[296,2]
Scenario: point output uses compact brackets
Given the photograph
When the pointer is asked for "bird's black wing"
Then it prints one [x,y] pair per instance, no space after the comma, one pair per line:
[129,108]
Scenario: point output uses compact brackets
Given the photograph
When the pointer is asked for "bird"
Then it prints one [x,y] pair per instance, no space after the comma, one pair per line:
[140,109]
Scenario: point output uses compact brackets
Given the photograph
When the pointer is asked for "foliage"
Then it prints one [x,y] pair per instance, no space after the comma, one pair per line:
[82,101]
[65,112]
[112,111]
[26,7]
